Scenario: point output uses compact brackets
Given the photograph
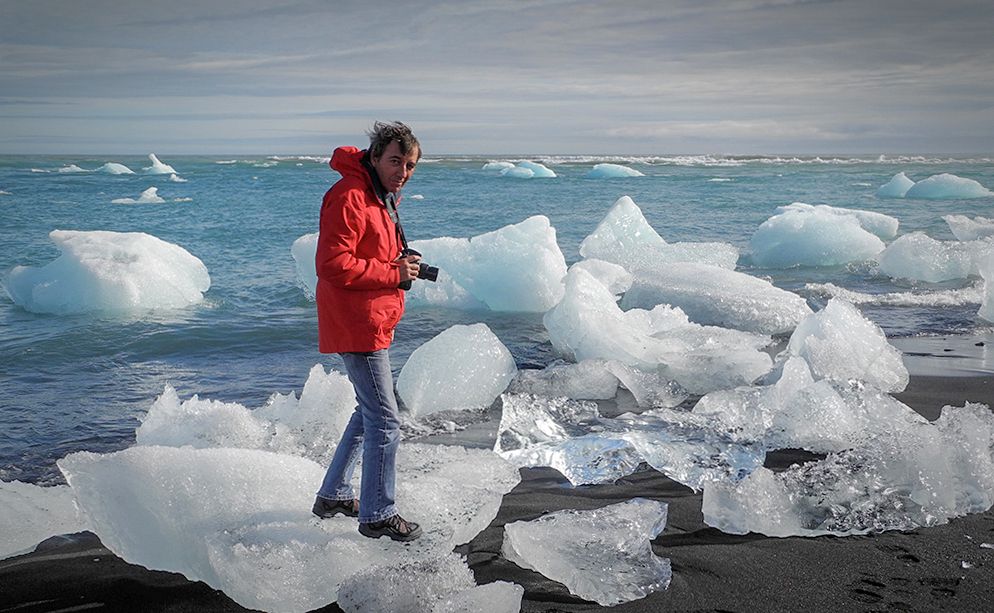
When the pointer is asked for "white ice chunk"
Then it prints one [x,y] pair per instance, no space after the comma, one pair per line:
[624,237]
[149,196]
[614,277]
[240,519]
[588,324]
[947,186]
[177,179]
[30,514]
[101,270]
[987,302]
[838,343]
[310,427]
[517,172]
[516,268]
[905,478]
[882,226]
[113,168]
[588,380]
[463,367]
[951,297]
[612,171]
[539,171]
[812,237]
[72,168]
[920,257]
[897,187]
[440,585]
[303,251]
[717,296]
[603,555]
[497,165]
[966,229]
[157,167]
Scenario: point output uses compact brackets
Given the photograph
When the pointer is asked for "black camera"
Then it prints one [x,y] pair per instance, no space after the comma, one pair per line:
[426,272]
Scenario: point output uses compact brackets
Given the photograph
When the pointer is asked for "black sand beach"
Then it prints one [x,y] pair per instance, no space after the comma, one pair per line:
[928,569]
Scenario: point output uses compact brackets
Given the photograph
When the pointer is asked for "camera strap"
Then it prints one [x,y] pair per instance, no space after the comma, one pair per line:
[389,199]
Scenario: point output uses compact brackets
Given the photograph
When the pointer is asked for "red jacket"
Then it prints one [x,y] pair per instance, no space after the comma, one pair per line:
[359,303]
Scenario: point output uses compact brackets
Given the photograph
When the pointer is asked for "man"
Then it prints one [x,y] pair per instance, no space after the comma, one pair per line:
[359,268]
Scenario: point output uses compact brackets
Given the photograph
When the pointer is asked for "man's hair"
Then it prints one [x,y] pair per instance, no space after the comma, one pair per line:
[383,133]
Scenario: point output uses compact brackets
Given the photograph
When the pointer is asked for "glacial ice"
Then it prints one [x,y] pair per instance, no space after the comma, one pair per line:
[603,555]
[800,236]
[571,437]
[947,186]
[612,171]
[113,168]
[614,277]
[717,296]
[920,257]
[157,167]
[240,519]
[30,514]
[149,196]
[442,584]
[882,226]
[72,168]
[303,251]
[598,380]
[588,324]
[966,229]
[539,171]
[908,476]
[497,165]
[101,270]
[463,367]
[518,267]
[897,187]
[517,172]
[624,237]
[838,343]
[177,179]
[309,427]
[986,311]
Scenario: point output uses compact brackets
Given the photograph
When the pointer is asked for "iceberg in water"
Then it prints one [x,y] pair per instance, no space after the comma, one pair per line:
[517,172]
[717,296]
[947,186]
[30,514]
[304,250]
[811,236]
[624,237]
[177,179]
[149,196]
[920,257]
[838,343]
[102,270]
[588,324]
[612,171]
[883,226]
[603,555]
[72,168]
[464,367]
[497,165]
[523,170]
[910,475]
[897,187]
[240,519]
[113,168]
[966,229]
[157,167]
[442,584]
[516,268]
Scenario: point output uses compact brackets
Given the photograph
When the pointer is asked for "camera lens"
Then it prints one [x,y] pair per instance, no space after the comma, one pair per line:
[426,272]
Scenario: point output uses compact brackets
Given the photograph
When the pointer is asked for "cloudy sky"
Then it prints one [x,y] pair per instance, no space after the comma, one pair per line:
[493,76]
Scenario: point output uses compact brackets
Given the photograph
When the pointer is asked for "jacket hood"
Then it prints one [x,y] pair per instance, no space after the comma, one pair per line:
[348,162]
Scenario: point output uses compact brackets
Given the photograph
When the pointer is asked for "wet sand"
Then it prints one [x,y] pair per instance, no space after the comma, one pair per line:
[929,569]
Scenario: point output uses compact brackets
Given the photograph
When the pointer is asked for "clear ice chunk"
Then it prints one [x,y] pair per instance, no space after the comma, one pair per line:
[31,513]
[812,236]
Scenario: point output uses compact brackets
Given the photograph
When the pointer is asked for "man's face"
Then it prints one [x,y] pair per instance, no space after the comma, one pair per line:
[394,168]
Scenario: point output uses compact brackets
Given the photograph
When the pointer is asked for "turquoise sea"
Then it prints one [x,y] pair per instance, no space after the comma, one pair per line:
[81,382]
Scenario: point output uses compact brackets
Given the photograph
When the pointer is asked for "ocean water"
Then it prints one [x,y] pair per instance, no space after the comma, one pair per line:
[81,382]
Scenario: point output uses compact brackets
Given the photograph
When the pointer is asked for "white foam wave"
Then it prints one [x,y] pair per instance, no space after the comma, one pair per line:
[734,160]
[951,297]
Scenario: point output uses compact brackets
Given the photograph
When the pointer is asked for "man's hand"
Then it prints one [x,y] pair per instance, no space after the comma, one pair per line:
[408,267]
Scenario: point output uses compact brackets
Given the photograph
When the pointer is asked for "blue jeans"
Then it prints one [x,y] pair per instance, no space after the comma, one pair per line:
[375,429]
